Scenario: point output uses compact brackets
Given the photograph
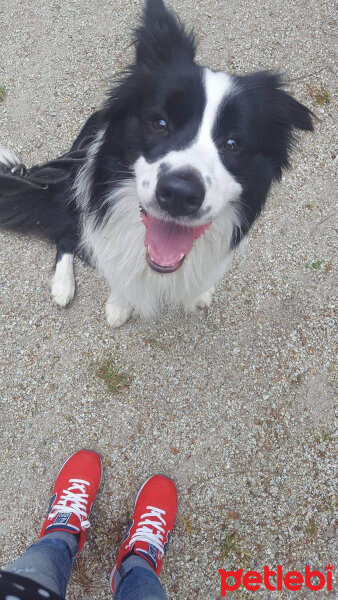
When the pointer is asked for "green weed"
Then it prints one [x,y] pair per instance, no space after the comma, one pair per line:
[114,378]
[319,95]
[311,528]
[229,546]
[154,343]
[315,265]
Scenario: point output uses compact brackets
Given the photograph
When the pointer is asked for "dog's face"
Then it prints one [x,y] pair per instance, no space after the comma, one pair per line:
[182,174]
[198,140]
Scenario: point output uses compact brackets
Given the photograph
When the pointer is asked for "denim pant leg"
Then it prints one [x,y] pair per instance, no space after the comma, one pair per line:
[48,561]
[136,580]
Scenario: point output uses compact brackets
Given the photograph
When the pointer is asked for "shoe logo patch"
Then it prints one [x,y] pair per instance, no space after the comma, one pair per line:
[152,551]
[62,518]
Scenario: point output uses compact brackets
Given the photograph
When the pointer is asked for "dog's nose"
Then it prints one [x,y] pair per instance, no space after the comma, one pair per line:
[180,193]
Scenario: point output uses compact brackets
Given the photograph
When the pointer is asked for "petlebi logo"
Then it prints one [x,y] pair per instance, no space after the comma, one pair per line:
[277,580]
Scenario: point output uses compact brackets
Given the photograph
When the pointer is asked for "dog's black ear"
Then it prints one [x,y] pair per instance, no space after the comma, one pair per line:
[162,37]
[276,115]
[294,112]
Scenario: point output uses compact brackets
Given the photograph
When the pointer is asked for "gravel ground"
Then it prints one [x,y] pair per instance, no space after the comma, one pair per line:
[237,403]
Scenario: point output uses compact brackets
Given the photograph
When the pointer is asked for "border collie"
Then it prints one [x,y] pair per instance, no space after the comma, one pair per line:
[177,167]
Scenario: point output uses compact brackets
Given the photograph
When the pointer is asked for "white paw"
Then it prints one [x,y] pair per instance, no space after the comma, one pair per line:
[205,300]
[8,158]
[116,315]
[63,282]
[63,290]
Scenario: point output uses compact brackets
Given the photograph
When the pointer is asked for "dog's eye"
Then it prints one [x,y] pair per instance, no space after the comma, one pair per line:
[160,125]
[229,144]
[232,145]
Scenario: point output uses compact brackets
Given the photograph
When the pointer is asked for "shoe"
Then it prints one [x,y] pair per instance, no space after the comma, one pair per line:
[153,520]
[73,495]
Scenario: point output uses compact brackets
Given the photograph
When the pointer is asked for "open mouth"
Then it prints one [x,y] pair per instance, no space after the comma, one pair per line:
[168,244]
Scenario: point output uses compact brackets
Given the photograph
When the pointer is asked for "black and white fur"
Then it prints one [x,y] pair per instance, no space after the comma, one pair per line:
[226,136]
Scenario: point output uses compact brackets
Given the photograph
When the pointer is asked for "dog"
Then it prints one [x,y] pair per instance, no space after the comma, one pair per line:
[177,166]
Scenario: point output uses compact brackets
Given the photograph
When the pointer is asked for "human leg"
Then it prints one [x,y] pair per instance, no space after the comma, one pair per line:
[135,575]
[49,560]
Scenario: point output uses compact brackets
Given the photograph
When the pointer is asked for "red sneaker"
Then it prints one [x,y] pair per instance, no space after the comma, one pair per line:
[73,495]
[149,532]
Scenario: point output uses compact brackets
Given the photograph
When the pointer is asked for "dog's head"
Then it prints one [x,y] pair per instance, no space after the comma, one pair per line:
[196,139]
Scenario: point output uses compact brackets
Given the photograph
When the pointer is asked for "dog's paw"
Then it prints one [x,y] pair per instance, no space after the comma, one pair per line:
[63,283]
[8,158]
[205,300]
[63,291]
[116,315]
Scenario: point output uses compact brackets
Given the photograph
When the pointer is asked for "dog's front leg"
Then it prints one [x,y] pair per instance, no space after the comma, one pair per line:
[63,282]
[116,314]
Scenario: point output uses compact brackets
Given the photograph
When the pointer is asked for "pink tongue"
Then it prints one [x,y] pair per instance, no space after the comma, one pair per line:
[167,241]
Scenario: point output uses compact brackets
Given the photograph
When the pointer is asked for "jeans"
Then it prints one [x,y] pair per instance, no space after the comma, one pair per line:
[49,562]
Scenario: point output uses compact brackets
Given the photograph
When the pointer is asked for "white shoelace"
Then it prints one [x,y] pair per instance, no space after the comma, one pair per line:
[73,502]
[145,529]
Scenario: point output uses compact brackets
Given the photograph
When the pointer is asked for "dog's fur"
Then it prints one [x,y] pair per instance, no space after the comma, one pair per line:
[222,139]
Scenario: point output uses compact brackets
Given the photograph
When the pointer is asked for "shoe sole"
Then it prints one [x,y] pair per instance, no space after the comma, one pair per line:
[111,576]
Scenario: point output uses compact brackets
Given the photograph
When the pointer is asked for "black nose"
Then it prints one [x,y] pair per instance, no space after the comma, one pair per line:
[180,193]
